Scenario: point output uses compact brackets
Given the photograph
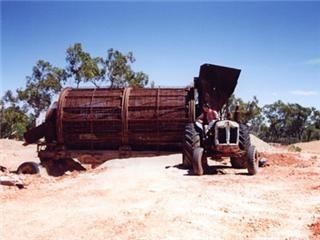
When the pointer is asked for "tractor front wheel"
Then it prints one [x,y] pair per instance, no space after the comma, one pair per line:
[252,160]
[198,161]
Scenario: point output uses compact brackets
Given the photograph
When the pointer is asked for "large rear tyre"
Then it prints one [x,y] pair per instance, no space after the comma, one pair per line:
[252,160]
[190,142]
[197,162]
[244,144]
[28,168]
[244,137]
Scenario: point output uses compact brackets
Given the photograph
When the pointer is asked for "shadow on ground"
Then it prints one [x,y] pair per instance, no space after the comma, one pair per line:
[209,170]
[59,167]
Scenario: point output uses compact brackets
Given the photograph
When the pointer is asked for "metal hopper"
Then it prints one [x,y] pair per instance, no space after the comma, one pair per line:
[216,84]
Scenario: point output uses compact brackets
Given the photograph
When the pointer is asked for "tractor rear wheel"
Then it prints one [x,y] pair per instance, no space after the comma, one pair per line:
[244,143]
[190,142]
[244,137]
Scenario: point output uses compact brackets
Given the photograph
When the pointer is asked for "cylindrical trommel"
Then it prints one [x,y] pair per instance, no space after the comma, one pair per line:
[103,119]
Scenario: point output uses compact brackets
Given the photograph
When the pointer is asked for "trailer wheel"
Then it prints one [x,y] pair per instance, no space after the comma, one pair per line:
[190,142]
[28,168]
[252,160]
[197,162]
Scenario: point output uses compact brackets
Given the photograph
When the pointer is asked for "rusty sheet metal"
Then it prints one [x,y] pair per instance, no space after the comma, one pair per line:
[139,119]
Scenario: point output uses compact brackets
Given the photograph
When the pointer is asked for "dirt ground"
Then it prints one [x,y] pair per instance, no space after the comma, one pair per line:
[152,198]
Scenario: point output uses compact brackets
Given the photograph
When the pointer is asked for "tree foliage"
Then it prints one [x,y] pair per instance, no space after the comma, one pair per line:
[44,82]
[313,128]
[290,122]
[13,118]
[278,122]
[112,71]
[119,73]
[82,67]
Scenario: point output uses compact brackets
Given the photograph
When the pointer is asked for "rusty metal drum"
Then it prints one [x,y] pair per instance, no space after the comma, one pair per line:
[133,118]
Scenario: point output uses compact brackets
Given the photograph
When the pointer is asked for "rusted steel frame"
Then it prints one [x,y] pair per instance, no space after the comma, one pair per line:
[95,95]
[124,117]
[81,107]
[162,95]
[98,94]
[157,115]
[151,136]
[91,116]
[173,110]
[59,126]
[162,120]
[153,107]
[90,157]
[97,120]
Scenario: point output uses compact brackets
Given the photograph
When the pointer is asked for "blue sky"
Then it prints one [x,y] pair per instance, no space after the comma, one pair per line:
[276,44]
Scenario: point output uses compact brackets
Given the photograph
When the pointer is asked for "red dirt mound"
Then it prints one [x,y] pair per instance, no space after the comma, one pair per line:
[315,228]
[311,147]
[282,159]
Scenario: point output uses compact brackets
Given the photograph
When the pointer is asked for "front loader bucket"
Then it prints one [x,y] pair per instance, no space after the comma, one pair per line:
[216,84]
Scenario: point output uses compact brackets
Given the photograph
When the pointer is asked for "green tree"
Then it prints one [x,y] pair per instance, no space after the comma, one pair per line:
[250,110]
[275,117]
[82,67]
[44,82]
[13,118]
[312,131]
[287,123]
[296,121]
[119,72]
[315,118]
[114,71]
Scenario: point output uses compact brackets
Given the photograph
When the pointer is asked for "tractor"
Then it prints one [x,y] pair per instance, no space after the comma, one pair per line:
[221,138]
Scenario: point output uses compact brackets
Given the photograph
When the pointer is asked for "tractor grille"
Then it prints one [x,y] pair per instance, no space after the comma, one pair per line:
[233,134]
[222,135]
[226,132]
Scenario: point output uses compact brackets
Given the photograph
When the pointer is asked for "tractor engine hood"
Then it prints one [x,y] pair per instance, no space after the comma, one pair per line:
[216,84]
